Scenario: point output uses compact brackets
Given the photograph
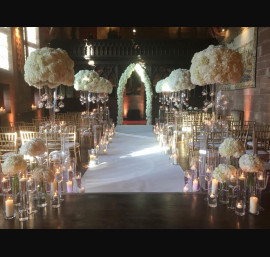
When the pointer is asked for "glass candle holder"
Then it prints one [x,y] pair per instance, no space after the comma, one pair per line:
[9,208]
[240,208]
[31,190]
[262,180]
[69,184]
[23,208]
[213,187]
[56,200]
[212,200]
[92,158]
[6,185]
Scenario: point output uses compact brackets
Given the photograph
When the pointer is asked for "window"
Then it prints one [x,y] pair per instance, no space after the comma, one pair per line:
[5,49]
[31,40]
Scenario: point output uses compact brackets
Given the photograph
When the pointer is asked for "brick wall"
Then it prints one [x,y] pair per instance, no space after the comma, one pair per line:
[255,102]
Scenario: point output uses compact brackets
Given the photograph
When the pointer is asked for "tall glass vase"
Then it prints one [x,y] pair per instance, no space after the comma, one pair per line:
[41,194]
[23,208]
[251,184]
[223,195]
[14,180]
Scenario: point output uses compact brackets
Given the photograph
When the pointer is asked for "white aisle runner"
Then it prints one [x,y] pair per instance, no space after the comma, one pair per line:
[134,163]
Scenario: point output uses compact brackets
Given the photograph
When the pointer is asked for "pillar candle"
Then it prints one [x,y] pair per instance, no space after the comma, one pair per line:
[253,202]
[23,184]
[9,207]
[214,185]
[195,185]
[53,187]
[69,186]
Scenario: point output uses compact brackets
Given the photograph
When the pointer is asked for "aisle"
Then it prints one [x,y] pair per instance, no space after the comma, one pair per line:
[134,163]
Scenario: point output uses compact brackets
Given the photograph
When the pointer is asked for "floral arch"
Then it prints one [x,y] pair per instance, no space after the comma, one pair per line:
[121,87]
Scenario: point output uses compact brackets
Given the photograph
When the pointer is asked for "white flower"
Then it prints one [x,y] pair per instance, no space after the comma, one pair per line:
[42,173]
[33,147]
[86,80]
[216,65]
[13,164]
[221,172]
[49,66]
[250,163]
[231,147]
[179,80]
[103,86]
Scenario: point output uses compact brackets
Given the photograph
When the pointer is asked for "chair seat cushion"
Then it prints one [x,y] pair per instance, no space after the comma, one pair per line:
[71,144]
[259,151]
[196,144]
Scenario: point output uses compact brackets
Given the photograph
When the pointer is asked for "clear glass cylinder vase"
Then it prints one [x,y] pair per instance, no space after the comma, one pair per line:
[223,194]
[251,184]
[14,181]
[41,194]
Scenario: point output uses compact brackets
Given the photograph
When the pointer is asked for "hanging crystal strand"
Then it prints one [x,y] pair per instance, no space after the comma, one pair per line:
[88,98]
[212,94]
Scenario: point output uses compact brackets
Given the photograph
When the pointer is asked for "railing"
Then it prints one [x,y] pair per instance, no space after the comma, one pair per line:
[119,48]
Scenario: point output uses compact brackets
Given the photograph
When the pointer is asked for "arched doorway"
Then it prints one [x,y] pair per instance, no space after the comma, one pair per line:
[134,99]
[121,89]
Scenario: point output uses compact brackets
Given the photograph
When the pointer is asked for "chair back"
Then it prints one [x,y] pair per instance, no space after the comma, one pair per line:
[8,143]
[28,135]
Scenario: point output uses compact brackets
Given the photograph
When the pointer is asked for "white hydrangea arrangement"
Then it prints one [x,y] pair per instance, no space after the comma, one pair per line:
[34,147]
[222,171]
[250,163]
[86,80]
[216,65]
[43,174]
[231,147]
[121,88]
[163,86]
[103,86]
[49,67]
[13,164]
[179,80]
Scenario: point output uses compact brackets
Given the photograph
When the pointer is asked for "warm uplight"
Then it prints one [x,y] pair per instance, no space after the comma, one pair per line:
[91,62]
[134,30]
[34,107]
[2,110]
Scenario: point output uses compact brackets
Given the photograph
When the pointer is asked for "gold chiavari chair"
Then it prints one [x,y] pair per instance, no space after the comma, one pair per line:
[69,141]
[8,145]
[6,129]
[28,135]
[260,143]
[215,139]
[194,144]
[28,128]
[52,141]
[240,133]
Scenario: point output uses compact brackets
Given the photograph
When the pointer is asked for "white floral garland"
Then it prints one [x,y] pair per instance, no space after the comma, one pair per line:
[121,87]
